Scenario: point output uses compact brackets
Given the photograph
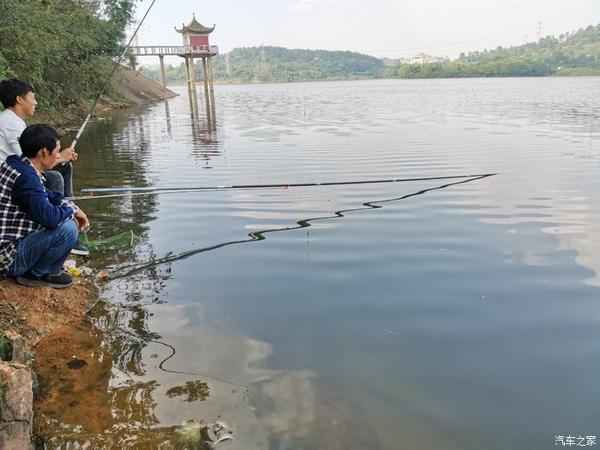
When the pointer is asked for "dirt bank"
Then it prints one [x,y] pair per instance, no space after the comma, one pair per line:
[36,312]
[28,315]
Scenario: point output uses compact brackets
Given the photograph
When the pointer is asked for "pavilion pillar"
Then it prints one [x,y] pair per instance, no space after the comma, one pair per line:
[212,92]
[187,72]
[191,76]
[192,73]
[206,92]
[163,79]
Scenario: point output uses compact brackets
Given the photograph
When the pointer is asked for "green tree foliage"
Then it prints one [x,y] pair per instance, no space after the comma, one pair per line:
[569,54]
[281,64]
[66,48]
[173,74]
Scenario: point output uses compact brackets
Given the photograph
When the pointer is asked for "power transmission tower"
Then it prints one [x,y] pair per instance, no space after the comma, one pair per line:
[264,69]
[539,30]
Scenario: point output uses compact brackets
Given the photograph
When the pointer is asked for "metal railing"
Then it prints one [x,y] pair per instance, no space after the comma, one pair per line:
[158,50]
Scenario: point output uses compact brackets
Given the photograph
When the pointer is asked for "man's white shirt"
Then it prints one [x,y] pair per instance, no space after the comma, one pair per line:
[11,127]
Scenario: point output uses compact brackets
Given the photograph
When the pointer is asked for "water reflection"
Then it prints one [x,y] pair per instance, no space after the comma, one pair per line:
[204,139]
[109,158]
[370,332]
[168,120]
[104,392]
[132,269]
[113,400]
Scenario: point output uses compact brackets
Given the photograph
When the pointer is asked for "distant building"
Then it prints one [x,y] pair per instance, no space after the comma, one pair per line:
[422,58]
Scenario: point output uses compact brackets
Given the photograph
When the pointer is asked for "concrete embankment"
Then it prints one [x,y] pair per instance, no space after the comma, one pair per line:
[138,88]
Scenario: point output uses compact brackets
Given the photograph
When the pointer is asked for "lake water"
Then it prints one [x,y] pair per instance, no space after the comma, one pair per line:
[415,315]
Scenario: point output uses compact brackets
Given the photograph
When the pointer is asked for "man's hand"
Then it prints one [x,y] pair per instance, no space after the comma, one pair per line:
[67,154]
[82,220]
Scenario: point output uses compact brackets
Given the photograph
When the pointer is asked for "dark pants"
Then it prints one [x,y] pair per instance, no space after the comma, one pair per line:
[60,179]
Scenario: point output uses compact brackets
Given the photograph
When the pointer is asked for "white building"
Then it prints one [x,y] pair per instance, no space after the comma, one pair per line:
[422,58]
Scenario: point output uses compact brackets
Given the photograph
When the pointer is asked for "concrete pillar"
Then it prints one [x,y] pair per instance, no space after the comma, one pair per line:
[192,73]
[163,79]
[193,105]
[192,92]
[187,71]
[212,93]
[206,93]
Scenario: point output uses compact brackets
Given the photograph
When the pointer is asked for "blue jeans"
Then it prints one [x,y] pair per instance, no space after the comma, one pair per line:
[44,252]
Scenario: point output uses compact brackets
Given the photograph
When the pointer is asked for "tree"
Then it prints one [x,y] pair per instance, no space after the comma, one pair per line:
[66,48]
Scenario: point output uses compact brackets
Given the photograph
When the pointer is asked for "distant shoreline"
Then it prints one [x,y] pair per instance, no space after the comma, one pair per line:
[235,83]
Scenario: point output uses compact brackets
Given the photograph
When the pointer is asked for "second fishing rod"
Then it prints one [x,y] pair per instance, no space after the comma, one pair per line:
[111,192]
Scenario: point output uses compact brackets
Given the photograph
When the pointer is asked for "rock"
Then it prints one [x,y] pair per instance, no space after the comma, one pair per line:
[15,436]
[17,401]
[18,349]
[76,363]
[16,407]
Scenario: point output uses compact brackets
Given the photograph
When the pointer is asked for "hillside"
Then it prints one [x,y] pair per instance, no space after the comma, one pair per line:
[282,64]
[277,64]
[575,53]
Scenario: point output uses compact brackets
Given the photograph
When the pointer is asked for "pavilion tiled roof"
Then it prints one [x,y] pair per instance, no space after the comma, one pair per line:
[195,27]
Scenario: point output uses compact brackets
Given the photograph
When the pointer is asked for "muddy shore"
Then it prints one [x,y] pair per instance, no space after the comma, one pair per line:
[28,316]
[34,313]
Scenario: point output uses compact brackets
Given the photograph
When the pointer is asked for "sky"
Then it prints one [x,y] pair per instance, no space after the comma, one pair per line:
[382,28]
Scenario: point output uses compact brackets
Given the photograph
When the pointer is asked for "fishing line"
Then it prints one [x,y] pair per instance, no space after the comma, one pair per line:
[117,64]
[173,351]
[164,360]
[127,191]
[260,235]
[253,237]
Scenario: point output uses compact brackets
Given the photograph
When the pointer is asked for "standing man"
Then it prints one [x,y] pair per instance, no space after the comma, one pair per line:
[18,97]
[38,227]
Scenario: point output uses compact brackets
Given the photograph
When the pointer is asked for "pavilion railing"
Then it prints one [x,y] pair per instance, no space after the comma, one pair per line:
[149,50]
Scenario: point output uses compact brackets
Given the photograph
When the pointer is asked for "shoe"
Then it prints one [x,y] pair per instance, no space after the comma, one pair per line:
[80,249]
[58,281]
[28,279]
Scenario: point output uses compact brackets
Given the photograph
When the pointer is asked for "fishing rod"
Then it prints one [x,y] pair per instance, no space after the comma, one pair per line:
[117,64]
[125,191]
[252,237]
[256,236]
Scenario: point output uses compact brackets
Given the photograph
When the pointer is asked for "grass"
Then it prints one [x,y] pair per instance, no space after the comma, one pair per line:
[5,348]
[2,386]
